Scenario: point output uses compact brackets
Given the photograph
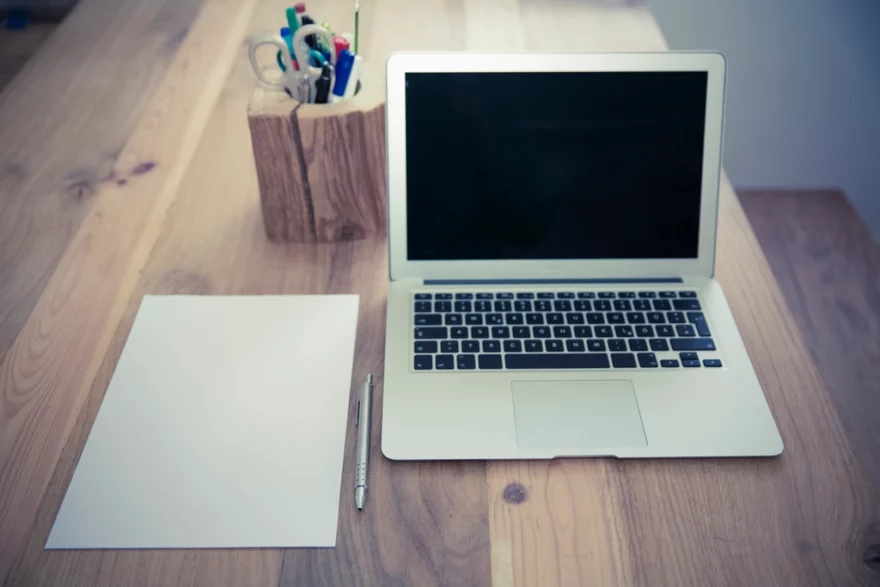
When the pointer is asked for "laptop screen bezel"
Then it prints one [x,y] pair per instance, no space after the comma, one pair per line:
[400,267]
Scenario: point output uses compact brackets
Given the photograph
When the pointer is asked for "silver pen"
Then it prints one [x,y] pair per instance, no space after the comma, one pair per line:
[365,404]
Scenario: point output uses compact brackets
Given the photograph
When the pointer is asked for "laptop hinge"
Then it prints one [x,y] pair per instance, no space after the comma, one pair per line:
[548,281]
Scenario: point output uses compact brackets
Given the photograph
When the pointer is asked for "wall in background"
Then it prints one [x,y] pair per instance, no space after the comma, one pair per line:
[803,90]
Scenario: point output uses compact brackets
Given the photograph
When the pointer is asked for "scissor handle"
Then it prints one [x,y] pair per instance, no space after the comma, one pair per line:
[301,49]
[275,82]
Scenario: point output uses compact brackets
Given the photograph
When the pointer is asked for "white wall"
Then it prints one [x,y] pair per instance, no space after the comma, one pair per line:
[803,90]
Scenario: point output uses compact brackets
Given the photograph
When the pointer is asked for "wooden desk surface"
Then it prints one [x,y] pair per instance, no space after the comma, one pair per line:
[107,195]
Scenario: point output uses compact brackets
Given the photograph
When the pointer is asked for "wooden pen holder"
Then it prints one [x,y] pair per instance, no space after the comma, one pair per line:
[321,167]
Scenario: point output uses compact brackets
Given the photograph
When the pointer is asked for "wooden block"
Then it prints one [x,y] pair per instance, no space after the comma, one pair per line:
[321,167]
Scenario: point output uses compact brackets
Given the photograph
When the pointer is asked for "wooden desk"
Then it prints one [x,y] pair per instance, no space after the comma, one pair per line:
[172,207]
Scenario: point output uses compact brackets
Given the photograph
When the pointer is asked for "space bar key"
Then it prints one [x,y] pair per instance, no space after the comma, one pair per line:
[557,361]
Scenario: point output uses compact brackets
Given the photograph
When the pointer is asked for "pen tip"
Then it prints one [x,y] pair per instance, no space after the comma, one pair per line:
[369,377]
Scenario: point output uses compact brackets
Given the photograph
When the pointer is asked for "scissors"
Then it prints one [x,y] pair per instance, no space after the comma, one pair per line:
[299,84]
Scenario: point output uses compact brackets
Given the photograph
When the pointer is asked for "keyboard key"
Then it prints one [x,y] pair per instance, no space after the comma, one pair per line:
[470,346]
[426,332]
[635,317]
[482,306]
[489,361]
[464,307]
[666,331]
[616,345]
[574,318]
[602,306]
[583,305]
[647,294]
[442,306]
[423,296]
[688,356]
[647,360]
[623,331]
[668,294]
[448,346]
[564,295]
[557,361]
[606,295]
[554,346]
[690,363]
[534,318]
[603,331]
[645,331]
[453,320]
[642,305]
[491,346]
[541,331]
[534,346]
[661,305]
[464,296]
[443,296]
[575,346]
[626,294]
[615,318]
[514,319]
[623,360]
[425,346]
[562,331]
[596,345]
[522,306]
[685,330]
[543,306]
[494,319]
[675,317]
[525,296]
[428,319]
[554,318]
[586,295]
[694,317]
[703,329]
[545,295]
[692,344]
[583,332]
[622,305]
[422,307]
[459,332]
[479,332]
[512,346]
[485,296]
[658,344]
[503,306]
[668,363]
[466,362]
[423,362]
[595,318]
[686,304]
[444,362]
[656,318]
[500,332]
[637,344]
[562,306]
[473,319]
[504,296]
[687,294]
[521,332]
[711,362]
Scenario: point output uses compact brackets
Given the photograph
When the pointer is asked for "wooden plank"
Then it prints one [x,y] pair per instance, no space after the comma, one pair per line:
[828,268]
[50,368]
[18,46]
[53,163]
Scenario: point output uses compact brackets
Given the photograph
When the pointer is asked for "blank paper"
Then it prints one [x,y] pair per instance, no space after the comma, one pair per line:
[223,426]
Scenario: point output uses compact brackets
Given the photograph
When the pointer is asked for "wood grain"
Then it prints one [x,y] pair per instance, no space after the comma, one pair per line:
[828,267]
[17,46]
[50,368]
[64,119]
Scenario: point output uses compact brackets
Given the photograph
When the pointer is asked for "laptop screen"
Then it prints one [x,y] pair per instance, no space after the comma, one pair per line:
[530,166]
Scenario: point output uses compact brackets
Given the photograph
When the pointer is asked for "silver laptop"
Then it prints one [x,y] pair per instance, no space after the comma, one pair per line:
[552,245]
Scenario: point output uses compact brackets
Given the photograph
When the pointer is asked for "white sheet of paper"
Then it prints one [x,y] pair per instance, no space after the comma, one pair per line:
[223,426]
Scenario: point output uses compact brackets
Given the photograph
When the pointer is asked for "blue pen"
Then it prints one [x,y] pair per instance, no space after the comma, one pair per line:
[343,69]
[285,34]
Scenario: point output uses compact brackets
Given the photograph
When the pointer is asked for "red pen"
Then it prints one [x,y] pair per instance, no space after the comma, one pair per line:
[340,43]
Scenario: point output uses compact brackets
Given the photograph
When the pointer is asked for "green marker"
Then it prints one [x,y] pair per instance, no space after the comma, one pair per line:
[292,21]
[357,9]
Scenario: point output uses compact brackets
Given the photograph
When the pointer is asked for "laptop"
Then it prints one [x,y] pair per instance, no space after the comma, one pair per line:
[552,224]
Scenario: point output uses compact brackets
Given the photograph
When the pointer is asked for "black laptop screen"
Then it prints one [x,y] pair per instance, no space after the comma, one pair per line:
[554,165]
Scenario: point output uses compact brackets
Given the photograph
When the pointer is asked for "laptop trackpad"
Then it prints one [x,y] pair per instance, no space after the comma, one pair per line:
[577,414]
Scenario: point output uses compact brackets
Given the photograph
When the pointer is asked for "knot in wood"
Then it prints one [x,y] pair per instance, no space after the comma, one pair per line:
[515,493]
[872,557]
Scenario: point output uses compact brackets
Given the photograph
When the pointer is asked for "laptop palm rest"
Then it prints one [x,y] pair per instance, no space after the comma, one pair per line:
[577,415]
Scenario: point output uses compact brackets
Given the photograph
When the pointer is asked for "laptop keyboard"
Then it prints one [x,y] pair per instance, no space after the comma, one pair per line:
[662,329]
